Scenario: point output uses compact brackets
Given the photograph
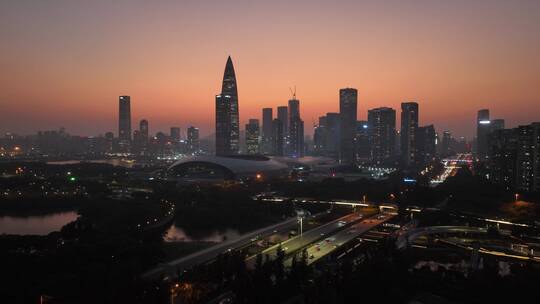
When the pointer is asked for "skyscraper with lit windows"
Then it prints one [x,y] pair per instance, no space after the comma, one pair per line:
[409,129]
[348,105]
[124,122]
[227,116]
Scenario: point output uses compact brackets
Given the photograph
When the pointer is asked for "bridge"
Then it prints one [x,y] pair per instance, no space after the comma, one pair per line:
[410,236]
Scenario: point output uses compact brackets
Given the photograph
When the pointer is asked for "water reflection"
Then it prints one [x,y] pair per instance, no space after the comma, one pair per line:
[113,161]
[177,234]
[36,225]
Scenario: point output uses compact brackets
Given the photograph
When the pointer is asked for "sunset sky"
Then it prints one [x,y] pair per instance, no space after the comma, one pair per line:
[64,63]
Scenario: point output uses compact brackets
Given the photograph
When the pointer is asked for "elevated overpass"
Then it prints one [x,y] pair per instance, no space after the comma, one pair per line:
[407,238]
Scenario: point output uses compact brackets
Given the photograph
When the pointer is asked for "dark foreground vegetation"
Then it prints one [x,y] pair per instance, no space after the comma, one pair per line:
[98,258]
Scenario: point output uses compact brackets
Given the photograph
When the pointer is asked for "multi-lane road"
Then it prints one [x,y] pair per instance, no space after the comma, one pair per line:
[332,242]
[342,230]
[210,253]
[294,244]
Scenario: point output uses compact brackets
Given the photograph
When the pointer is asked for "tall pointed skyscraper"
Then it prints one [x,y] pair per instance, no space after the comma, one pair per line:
[227,118]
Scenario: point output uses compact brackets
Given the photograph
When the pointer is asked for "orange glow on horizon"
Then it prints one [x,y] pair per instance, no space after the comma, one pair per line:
[66,65]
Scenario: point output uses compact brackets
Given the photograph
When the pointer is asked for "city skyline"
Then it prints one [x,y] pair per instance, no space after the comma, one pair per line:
[472,60]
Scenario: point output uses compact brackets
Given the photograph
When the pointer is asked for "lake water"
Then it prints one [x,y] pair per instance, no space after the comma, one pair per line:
[113,161]
[177,234]
[36,225]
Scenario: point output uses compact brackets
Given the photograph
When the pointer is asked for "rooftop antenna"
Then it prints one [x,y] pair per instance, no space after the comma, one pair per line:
[293,92]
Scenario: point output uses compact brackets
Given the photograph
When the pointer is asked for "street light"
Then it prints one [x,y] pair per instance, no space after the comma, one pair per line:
[516,196]
[301,225]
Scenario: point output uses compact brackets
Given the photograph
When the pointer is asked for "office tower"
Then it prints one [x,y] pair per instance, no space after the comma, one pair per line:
[124,122]
[320,136]
[143,128]
[497,124]
[332,135]
[283,116]
[361,142]
[227,118]
[137,145]
[382,133]
[109,138]
[348,104]
[319,139]
[193,139]
[483,127]
[277,137]
[426,144]
[267,117]
[296,129]
[409,127]
[252,136]
[159,144]
[175,134]
[445,144]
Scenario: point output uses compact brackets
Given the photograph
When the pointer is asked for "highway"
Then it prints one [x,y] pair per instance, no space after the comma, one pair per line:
[410,236]
[294,244]
[332,242]
[210,253]
[451,166]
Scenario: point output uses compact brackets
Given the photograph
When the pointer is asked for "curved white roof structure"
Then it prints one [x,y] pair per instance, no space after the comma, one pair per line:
[241,166]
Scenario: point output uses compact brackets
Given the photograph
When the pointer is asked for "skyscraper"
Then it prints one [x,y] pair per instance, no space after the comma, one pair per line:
[332,135]
[361,141]
[382,131]
[497,124]
[409,128]
[124,122]
[143,128]
[277,137]
[514,157]
[445,144]
[296,129]
[283,116]
[175,134]
[483,127]
[193,139]
[319,139]
[267,118]
[528,158]
[252,136]
[348,104]
[142,140]
[425,142]
[503,151]
[227,118]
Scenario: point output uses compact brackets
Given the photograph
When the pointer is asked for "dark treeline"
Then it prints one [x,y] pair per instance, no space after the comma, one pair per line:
[200,208]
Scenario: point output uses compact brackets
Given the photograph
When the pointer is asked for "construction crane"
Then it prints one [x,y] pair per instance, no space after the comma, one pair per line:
[293,92]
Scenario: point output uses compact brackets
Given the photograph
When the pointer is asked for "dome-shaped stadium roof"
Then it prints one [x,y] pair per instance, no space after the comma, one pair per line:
[239,165]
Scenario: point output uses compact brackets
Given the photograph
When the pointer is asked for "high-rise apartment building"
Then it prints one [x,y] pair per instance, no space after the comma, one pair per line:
[382,131]
[362,146]
[426,140]
[409,128]
[193,139]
